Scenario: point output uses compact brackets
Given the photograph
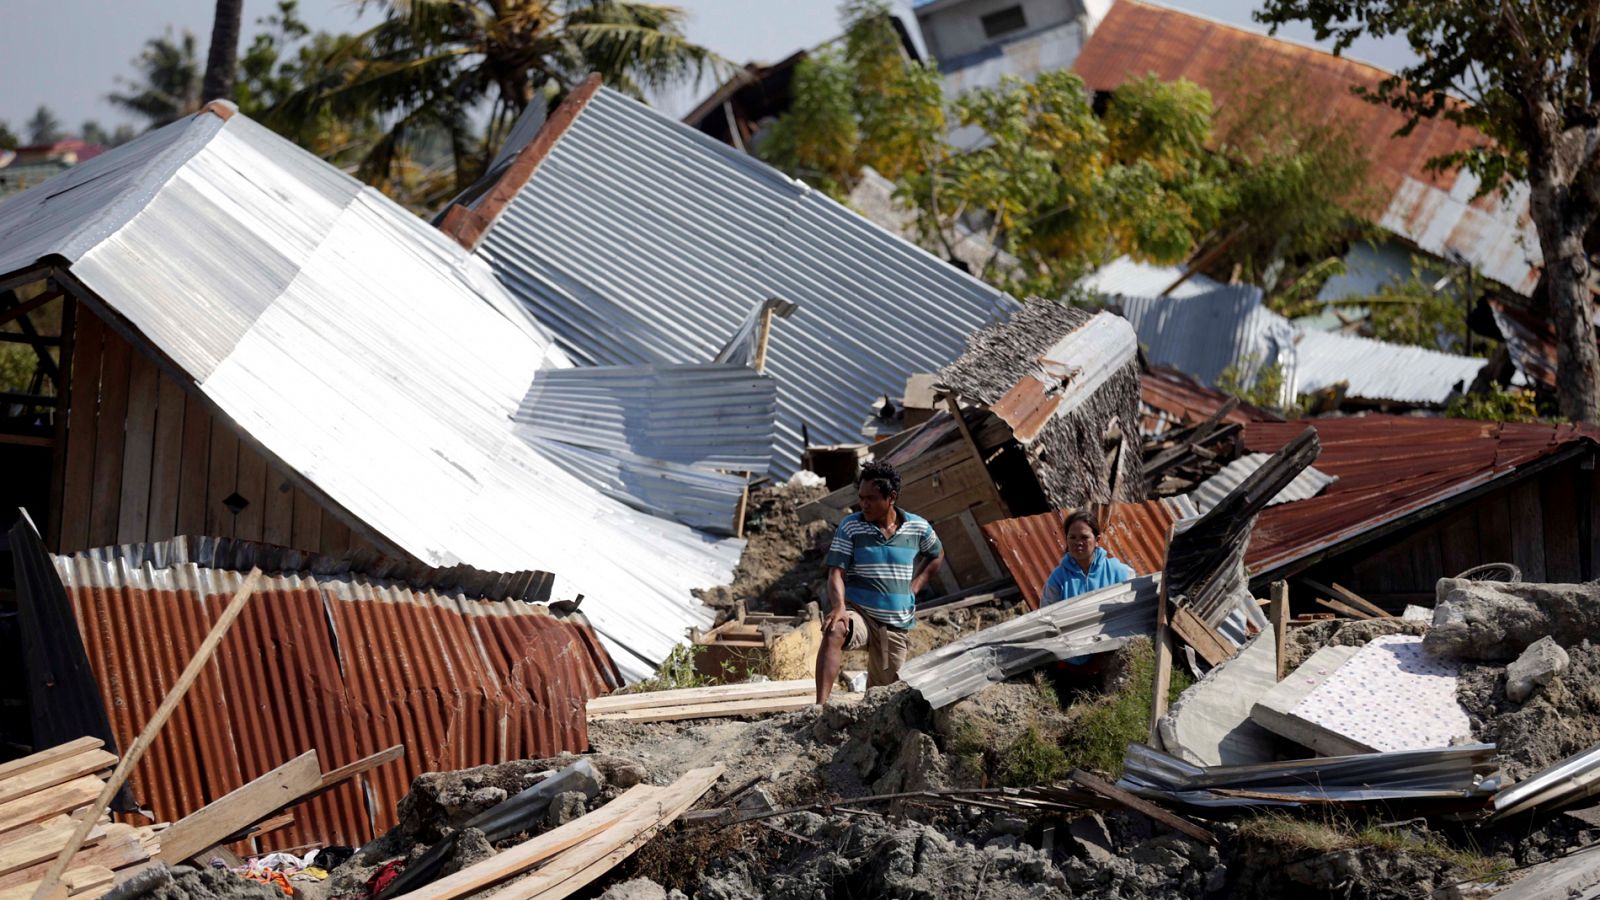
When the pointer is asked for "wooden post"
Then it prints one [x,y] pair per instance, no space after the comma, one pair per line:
[90,814]
[1280,623]
[1163,672]
[764,335]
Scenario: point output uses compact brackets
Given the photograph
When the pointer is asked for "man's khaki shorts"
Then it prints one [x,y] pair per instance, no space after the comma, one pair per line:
[886,647]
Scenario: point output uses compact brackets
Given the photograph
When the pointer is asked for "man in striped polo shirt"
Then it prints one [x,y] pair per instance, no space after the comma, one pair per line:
[873,581]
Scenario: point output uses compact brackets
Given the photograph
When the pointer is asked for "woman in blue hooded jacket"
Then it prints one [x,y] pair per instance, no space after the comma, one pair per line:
[1087,566]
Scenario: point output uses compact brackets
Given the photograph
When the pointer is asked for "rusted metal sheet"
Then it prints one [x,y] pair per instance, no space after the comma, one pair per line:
[1136,533]
[345,663]
[1171,399]
[1436,211]
[1389,467]
[1531,341]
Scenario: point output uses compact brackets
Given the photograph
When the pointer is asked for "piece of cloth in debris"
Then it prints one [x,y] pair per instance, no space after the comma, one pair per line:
[886,647]
[1390,696]
[877,569]
[385,875]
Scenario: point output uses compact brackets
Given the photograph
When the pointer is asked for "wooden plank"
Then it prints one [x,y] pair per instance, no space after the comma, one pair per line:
[193,476]
[714,693]
[61,798]
[123,848]
[222,478]
[166,465]
[152,728]
[240,808]
[1163,648]
[14,312]
[335,534]
[1202,637]
[139,437]
[37,848]
[952,403]
[1459,547]
[583,864]
[985,555]
[1280,625]
[526,855]
[1562,564]
[84,880]
[1117,795]
[1527,530]
[277,521]
[49,756]
[59,772]
[365,764]
[1344,608]
[307,534]
[711,710]
[108,441]
[1360,602]
[252,486]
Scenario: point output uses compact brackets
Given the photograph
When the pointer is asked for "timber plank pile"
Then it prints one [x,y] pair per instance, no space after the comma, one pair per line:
[39,797]
[746,699]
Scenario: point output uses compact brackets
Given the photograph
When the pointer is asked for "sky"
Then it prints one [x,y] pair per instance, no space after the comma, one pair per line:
[68,54]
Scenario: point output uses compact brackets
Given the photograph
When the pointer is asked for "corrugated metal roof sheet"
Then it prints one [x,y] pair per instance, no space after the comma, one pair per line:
[1389,467]
[668,237]
[1208,333]
[1127,277]
[1378,370]
[1096,622]
[1030,547]
[1531,341]
[346,664]
[1172,399]
[364,351]
[1437,212]
[1305,485]
[1560,784]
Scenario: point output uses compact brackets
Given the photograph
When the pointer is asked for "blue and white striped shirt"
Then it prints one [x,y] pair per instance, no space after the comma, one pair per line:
[878,571]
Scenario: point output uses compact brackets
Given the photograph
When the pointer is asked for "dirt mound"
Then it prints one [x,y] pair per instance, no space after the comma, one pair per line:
[184,883]
[1557,720]
[1308,639]
[781,569]
[1273,870]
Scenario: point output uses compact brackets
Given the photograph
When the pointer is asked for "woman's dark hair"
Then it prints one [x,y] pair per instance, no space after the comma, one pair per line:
[883,475]
[1084,516]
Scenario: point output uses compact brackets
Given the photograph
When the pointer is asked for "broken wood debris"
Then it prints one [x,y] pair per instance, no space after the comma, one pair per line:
[747,698]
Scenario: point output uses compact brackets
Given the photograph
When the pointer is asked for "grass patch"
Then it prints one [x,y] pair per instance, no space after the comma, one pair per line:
[677,671]
[1033,758]
[1341,833]
[1104,726]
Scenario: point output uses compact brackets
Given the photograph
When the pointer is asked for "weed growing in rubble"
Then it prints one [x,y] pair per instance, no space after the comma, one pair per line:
[1033,759]
[1104,726]
[677,671]
[1337,832]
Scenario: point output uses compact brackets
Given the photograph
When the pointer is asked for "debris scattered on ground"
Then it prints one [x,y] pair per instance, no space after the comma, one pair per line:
[1496,621]
[1558,719]
[781,568]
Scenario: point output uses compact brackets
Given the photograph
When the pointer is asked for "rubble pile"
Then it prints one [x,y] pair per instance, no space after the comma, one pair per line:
[781,569]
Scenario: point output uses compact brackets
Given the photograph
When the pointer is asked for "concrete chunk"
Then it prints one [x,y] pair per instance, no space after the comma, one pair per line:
[1543,660]
[1495,620]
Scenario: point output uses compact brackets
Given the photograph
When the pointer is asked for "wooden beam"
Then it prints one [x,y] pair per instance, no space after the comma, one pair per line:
[1163,647]
[1344,608]
[588,861]
[49,755]
[951,403]
[18,310]
[61,798]
[86,819]
[1280,625]
[26,399]
[719,692]
[1202,637]
[1117,795]
[1360,602]
[711,710]
[37,340]
[58,772]
[240,808]
[524,856]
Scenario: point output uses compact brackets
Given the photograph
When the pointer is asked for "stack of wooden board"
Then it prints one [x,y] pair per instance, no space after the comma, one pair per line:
[573,855]
[747,699]
[38,796]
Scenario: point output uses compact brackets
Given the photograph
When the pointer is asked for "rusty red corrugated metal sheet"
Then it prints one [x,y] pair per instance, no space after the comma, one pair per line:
[1172,399]
[1389,467]
[1531,341]
[346,664]
[1031,547]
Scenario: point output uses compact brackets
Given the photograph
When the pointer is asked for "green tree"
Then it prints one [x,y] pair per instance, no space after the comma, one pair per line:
[1530,76]
[431,64]
[858,105]
[8,138]
[168,84]
[44,127]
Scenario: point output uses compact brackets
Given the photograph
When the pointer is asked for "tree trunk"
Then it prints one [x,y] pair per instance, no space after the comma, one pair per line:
[1561,224]
[223,59]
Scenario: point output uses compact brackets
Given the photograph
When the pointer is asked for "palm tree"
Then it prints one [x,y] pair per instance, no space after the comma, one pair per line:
[169,81]
[433,66]
[222,60]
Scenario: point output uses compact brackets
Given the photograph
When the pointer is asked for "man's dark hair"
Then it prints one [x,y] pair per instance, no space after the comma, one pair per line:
[883,475]
[1084,516]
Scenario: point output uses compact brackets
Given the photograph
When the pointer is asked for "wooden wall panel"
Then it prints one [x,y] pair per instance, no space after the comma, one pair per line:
[1560,504]
[1527,529]
[145,460]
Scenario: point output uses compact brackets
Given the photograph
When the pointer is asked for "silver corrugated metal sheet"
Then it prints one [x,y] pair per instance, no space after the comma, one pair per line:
[1377,370]
[1575,778]
[366,352]
[1127,277]
[1208,333]
[1448,773]
[668,237]
[1096,622]
[1306,485]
